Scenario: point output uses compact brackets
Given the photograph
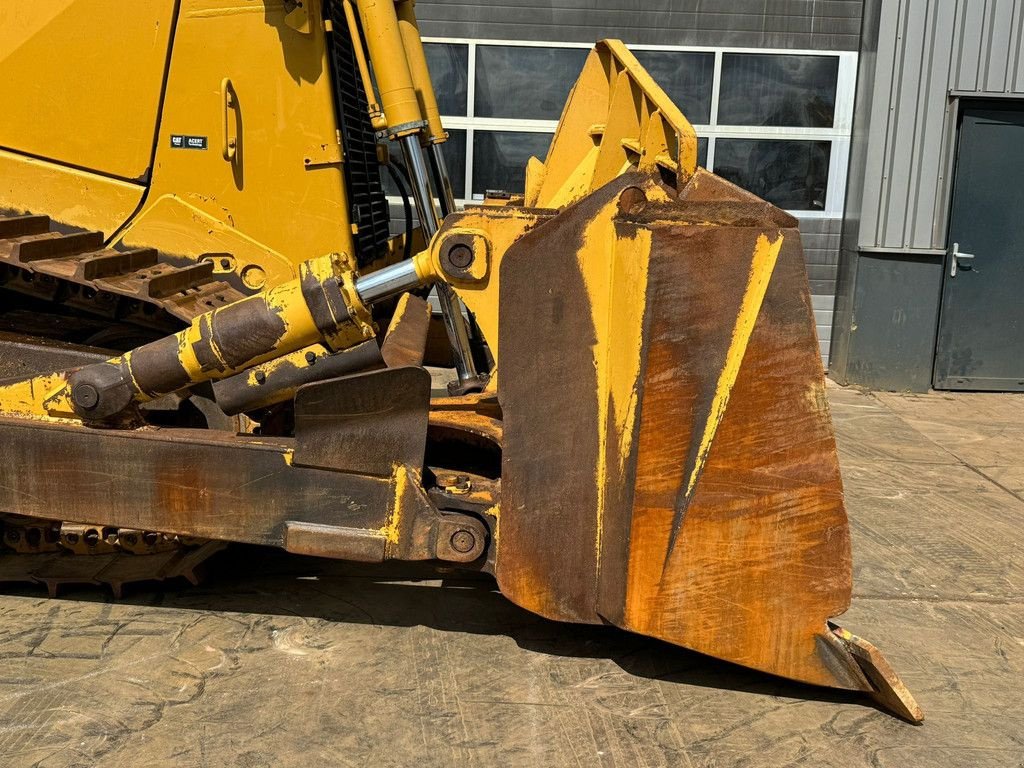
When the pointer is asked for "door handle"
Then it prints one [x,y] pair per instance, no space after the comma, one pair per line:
[229,102]
[958,255]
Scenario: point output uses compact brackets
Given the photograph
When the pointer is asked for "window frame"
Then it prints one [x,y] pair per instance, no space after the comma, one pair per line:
[838,134]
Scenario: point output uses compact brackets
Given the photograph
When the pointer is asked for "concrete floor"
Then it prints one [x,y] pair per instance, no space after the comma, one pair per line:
[283,661]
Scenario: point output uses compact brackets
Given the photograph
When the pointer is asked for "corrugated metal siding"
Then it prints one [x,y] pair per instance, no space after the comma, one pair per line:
[927,48]
[988,42]
[811,24]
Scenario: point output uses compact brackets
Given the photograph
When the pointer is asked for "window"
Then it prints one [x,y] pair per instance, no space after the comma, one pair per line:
[525,83]
[789,174]
[687,78]
[778,90]
[454,151]
[774,122]
[500,157]
[449,72]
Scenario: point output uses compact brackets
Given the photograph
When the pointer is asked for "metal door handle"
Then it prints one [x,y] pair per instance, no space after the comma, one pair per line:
[957,256]
[229,101]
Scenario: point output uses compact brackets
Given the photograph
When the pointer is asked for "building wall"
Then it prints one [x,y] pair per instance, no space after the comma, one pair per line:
[919,60]
[714,28]
[809,24]
[820,238]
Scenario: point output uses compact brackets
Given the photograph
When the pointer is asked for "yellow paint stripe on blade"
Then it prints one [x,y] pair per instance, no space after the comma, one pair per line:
[392,530]
[766,253]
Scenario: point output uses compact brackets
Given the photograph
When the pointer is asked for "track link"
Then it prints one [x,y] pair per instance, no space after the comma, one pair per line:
[78,271]
[56,554]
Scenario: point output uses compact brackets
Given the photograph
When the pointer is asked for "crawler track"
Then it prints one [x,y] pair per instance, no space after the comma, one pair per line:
[76,273]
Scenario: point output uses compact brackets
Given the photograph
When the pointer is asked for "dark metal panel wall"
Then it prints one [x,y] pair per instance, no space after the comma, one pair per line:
[869,61]
[895,317]
[811,24]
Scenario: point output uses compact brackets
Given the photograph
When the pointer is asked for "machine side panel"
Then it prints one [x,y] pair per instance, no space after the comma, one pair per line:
[70,197]
[80,81]
[267,167]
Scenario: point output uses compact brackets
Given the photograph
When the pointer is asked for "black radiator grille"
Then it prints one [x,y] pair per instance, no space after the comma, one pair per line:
[367,201]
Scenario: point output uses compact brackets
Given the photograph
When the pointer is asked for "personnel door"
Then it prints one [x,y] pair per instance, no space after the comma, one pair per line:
[981,323]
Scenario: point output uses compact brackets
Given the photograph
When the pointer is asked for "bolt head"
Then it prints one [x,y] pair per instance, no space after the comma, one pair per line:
[460,255]
[463,541]
[85,396]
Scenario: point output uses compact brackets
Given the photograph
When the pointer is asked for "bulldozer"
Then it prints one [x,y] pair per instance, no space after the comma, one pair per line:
[604,390]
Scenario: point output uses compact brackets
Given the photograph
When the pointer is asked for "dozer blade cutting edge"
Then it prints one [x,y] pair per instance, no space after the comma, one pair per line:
[663,454]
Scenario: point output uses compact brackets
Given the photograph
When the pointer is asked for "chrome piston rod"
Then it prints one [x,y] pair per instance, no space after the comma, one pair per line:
[451,306]
[442,180]
[387,282]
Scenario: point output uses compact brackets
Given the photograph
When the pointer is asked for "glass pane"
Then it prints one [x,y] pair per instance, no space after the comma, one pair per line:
[790,174]
[776,89]
[499,159]
[686,78]
[702,152]
[449,71]
[525,83]
[386,176]
[454,157]
[454,151]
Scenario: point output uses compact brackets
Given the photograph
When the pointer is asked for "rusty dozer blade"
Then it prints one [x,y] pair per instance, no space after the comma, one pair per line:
[669,463]
[668,459]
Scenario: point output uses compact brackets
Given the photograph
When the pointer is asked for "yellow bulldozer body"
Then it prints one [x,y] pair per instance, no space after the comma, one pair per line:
[98,95]
[638,432]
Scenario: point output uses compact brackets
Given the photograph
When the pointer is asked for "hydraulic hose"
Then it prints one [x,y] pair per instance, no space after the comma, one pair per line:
[401,178]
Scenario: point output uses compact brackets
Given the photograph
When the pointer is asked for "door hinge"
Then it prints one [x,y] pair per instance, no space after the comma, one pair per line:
[324,154]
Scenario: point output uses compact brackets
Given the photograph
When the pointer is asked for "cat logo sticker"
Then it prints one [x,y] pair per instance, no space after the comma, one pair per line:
[188,142]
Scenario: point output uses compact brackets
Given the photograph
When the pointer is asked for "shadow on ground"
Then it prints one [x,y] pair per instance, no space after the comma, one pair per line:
[254,580]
